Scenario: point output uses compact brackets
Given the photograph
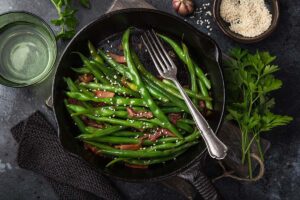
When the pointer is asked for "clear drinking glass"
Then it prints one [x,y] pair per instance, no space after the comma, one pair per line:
[27,49]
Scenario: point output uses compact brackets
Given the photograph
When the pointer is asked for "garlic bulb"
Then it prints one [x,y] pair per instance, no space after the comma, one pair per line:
[183,7]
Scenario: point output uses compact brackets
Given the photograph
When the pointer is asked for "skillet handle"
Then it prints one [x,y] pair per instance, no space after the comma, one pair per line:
[200,181]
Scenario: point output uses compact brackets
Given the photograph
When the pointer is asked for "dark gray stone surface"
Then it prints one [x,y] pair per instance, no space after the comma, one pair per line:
[281,180]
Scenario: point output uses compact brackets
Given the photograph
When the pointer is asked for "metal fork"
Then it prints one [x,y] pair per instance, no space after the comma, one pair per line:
[167,69]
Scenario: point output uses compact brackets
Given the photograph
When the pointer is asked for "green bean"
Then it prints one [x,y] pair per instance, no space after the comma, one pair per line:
[117,66]
[167,139]
[172,110]
[205,93]
[180,53]
[110,73]
[173,99]
[149,162]
[128,134]
[191,69]
[191,138]
[129,140]
[71,85]
[79,123]
[95,133]
[84,90]
[110,113]
[189,92]
[184,126]
[165,105]
[98,74]
[100,71]
[113,161]
[187,121]
[111,101]
[157,94]
[176,47]
[203,90]
[142,90]
[114,140]
[171,90]
[94,54]
[145,153]
[73,88]
[81,70]
[77,108]
[110,77]
[104,112]
[118,90]
[200,75]
[128,122]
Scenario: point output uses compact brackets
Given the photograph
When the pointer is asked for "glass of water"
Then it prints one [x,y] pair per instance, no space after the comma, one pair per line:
[27,49]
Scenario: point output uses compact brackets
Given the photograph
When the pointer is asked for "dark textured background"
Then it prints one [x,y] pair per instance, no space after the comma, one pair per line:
[281,180]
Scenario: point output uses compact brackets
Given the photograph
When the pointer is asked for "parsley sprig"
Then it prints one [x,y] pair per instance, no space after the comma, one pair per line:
[249,86]
[66,17]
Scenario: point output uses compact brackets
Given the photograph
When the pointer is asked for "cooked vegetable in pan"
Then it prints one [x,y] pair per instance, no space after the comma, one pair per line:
[128,114]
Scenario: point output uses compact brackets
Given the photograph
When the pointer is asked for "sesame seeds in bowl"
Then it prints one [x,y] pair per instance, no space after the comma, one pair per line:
[246,21]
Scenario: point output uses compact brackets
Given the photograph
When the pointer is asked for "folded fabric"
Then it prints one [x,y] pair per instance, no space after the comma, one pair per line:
[70,177]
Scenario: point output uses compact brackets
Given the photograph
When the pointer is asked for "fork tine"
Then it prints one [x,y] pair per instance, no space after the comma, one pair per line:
[155,51]
[152,55]
[164,50]
[158,49]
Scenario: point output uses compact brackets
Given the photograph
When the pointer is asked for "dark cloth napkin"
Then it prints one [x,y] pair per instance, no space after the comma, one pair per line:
[70,177]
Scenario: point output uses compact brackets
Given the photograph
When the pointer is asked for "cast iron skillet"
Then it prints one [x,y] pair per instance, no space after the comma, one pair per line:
[204,50]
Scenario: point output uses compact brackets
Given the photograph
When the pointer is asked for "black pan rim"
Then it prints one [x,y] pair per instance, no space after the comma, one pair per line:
[218,59]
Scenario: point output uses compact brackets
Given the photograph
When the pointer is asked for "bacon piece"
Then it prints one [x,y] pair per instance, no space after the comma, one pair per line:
[117,58]
[92,123]
[139,114]
[202,104]
[104,94]
[86,78]
[128,146]
[74,101]
[159,133]
[92,149]
[136,166]
[174,117]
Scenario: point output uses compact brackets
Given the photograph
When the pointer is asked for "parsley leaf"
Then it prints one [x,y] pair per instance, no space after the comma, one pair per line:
[250,81]
[66,17]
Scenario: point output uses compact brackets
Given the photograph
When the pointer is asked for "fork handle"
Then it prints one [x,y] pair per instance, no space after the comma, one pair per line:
[216,148]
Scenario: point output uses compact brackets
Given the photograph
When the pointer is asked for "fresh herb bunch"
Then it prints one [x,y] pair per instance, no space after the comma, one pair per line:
[66,17]
[249,103]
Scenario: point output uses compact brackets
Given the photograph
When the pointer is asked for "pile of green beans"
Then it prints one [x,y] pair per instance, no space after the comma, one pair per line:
[107,125]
